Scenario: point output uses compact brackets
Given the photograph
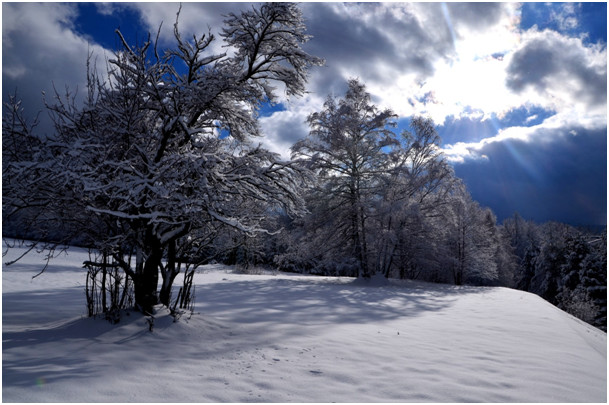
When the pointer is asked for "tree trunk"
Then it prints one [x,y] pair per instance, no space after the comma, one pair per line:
[145,286]
[364,249]
[169,274]
[165,293]
[146,281]
[357,232]
[103,283]
[356,245]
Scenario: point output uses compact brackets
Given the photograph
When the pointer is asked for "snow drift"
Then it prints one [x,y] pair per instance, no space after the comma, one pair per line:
[288,338]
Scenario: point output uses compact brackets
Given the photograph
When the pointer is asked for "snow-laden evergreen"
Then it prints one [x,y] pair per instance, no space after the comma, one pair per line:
[294,338]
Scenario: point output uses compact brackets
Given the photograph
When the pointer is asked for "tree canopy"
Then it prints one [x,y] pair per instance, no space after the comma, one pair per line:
[143,166]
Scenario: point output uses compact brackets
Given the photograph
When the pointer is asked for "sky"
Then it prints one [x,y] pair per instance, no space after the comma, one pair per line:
[518,91]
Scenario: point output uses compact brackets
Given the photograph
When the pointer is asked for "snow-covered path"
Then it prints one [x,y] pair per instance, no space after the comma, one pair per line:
[287,338]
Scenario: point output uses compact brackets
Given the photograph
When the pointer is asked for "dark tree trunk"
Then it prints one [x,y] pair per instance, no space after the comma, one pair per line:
[165,293]
[169,274]
[103,283]
[357,247]
[145,286]
[364,249]
[356,234]
[146,282]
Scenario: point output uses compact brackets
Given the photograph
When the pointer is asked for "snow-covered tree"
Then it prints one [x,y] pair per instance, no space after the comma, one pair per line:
[593,276]
[564,265]
[376,203]
[19,149]
[551,256]
[472,241]
[344,149]
[161,151]
[523,240]
[417,184]
[32,207]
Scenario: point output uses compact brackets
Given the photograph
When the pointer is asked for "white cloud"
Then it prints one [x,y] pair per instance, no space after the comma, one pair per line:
[284,128]
[405,53]
[531,118]
[566,16]
[559,72]
[420,59]
[558,125]
[470,82]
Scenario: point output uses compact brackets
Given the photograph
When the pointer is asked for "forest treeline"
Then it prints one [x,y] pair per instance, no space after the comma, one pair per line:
[387,204]
[143,172]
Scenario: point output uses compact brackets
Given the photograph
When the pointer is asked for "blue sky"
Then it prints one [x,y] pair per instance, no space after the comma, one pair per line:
[518,91]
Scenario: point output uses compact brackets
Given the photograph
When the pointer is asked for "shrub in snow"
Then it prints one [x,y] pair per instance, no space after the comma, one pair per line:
[107,288]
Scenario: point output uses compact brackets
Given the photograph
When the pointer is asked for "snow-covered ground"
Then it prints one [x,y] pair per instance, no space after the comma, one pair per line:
[288,338]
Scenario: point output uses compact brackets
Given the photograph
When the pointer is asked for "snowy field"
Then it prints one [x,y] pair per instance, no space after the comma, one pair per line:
[287,338]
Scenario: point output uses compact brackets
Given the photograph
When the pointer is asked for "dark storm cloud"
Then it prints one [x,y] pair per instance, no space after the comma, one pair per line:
[563,178]
[387,38]
[342,38]
[345,44]
[551,62]
[40,52]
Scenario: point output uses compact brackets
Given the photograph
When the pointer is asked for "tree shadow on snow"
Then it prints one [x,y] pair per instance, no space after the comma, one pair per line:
[47,337]
[314,301]
[43,268]
[35,309]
